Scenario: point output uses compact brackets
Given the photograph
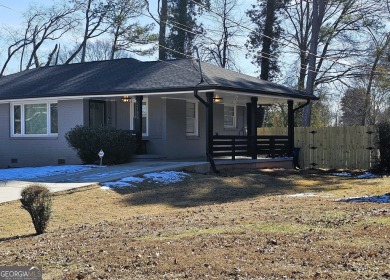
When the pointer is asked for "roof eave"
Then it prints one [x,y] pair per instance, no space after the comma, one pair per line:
[157,91]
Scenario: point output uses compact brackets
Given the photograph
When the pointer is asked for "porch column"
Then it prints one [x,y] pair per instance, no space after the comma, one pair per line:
[209,123]
[252,128]
[138,122]
[290,128]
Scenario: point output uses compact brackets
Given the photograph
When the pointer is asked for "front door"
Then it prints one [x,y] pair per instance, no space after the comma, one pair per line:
[97,113]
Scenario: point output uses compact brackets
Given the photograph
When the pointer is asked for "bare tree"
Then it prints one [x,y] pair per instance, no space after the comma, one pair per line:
[380,46]
[42,26]
[102,50]
[161,20]
[16,45]
[94,23]
[326,33]
[221,39]
[47,24]
[318,15]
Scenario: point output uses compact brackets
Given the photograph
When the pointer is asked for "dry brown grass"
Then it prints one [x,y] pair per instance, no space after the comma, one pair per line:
[238,226]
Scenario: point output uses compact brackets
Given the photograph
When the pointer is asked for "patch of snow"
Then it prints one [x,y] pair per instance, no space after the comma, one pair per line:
[103,175]
[118,184]
[166,177]
[28,173]
[376,199]
[132,179]
[124,182]
[105,188]
[367,175]
[302,195]
[342,174]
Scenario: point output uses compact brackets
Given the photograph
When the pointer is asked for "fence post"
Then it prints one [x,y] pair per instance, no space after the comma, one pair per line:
[312,149]
[290,127]
[233,149]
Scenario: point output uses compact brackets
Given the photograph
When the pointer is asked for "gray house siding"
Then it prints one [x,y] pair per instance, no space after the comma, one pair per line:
[219,121]
[178,144]
[38,151]
[122,115]
[166,131]
[157,135]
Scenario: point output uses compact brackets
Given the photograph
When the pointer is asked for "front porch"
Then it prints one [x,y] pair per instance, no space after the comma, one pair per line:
[250,150]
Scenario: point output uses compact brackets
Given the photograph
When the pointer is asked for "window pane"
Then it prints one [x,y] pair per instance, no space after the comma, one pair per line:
[54,118]
[190,110]
[35,118]
[191,118]
[190,126]
[17,119]
[229,116]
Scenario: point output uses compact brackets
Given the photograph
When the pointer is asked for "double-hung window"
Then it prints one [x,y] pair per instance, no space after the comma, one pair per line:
[34,119]
[229,113]
[191,118]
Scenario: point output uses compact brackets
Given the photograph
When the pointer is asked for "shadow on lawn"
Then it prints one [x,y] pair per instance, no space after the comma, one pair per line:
[210,189]
[17,237]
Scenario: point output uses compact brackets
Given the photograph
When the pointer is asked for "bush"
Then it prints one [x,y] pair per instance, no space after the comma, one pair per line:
[118,145]
[383,129]
[36,199]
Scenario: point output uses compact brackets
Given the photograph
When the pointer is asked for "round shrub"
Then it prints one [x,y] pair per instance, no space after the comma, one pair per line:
[118,145]
[37,200]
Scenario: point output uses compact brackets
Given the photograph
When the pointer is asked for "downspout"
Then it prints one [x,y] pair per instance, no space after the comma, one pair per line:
[295,154]
[208,155]
[301,106]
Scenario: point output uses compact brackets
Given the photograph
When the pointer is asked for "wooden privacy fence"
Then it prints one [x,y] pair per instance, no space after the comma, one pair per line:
[352,147]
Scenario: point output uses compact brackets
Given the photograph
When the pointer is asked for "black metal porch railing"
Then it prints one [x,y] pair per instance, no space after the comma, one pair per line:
[267,146]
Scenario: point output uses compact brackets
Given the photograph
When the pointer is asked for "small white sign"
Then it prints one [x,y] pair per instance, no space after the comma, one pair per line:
[101,154]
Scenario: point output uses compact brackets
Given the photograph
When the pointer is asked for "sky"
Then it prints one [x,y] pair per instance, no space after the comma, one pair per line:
[11,12]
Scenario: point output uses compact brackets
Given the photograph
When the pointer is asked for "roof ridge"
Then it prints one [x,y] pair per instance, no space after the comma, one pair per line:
[130,59]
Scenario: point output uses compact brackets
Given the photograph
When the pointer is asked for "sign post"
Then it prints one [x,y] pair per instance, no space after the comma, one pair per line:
[101,155]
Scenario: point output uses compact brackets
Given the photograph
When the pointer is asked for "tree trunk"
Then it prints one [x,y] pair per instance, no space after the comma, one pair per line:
[318,15]
[181,34]
[268,34]
[367,102]
[162,52]
[86,31]
[114,44]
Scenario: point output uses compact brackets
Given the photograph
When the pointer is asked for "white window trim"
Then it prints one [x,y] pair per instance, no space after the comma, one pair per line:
[234,117]
[196,133]
[133,101]
[22,120]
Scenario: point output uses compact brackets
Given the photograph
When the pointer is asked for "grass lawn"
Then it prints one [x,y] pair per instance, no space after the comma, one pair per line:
[243,225]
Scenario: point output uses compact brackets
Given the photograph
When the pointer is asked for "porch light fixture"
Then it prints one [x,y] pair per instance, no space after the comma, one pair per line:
[126,99]
[217,99]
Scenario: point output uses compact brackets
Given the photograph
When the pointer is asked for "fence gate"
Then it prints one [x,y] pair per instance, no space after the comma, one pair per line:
[352,147]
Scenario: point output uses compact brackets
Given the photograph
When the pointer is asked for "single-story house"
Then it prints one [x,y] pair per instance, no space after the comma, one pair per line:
[181,109]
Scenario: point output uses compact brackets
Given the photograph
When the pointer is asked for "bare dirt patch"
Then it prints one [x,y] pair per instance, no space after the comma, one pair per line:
[236,226]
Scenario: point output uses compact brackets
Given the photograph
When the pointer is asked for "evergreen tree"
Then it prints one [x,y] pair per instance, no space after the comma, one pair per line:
[184,28]
[266,18]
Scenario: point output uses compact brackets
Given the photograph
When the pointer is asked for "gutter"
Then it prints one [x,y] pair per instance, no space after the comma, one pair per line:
[301,106]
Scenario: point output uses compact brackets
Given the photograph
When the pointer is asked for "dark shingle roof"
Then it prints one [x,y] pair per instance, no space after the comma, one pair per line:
[126,76]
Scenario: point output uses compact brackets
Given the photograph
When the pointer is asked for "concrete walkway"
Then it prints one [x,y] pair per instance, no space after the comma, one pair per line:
[10,190]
